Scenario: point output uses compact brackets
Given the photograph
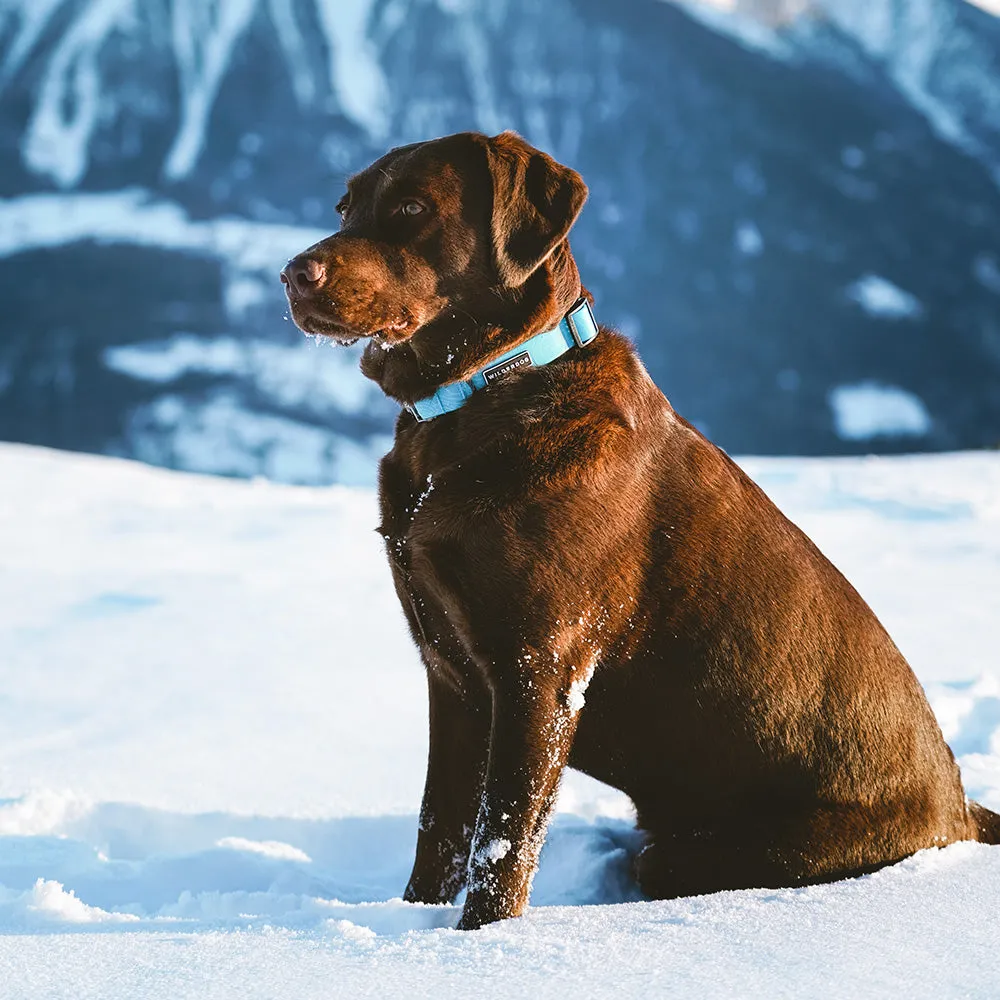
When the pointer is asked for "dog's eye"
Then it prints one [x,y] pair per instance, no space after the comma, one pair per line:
[341,207]
[411,208]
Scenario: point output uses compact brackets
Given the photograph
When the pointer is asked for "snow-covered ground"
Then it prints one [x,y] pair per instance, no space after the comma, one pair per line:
[212,730]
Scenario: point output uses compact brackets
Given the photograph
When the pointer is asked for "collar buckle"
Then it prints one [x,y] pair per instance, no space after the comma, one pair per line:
[581,339]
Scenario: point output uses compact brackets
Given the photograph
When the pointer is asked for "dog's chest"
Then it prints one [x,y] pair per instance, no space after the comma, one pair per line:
[415,519]
[416,546]
[401,509]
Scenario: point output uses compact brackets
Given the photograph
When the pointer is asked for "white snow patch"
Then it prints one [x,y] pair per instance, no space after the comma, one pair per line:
[204,38]
[868,409]
[575,699]
[301,375]
[49,902]
[744,27]
[242,294]
[748,240]
[880,298]
[40,812]
[69,101]
[220,435]
[165,361]
[355,73]
[496,850]
[352,932]
[25,21]
[38,221]
[267,848]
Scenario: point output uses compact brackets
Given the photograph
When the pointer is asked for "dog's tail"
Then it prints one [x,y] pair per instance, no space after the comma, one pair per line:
[985,822]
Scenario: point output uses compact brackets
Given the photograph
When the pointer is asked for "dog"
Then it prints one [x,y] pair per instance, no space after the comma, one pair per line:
[591,582]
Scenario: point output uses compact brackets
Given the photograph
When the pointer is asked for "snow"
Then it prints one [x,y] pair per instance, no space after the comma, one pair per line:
[748,240]
[212,736]
[48,902]
[868,410]
[355,74]
[221,434]
[74,98]
[907,40]
[304,374]
[204,37]
[880,298]
[727,17]
[268,848]
[309,389]
[937,61]
[576,696]
[496,850]
[932,53]
[133,215]
[69,101]
[183,353]
[424,494]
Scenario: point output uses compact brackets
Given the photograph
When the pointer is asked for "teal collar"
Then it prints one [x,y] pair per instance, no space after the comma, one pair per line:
[576,329]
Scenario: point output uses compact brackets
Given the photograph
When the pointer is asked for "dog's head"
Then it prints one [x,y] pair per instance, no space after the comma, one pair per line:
[432,230]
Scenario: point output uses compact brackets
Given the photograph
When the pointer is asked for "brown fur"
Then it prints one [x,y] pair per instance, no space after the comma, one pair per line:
[568,523]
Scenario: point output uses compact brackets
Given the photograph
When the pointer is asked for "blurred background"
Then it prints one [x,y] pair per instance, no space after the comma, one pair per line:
[794,210]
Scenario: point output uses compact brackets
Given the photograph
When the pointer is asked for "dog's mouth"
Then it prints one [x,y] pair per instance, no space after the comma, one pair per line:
[320,326]
[316,323]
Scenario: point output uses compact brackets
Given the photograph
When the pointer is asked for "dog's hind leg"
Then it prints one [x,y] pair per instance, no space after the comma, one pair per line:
[456,766]
[767,852]
[669,867]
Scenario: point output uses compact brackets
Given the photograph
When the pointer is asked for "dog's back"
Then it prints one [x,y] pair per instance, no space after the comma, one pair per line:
[808,746]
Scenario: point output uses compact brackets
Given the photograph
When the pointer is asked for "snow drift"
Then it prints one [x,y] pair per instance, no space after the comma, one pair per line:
[211,783]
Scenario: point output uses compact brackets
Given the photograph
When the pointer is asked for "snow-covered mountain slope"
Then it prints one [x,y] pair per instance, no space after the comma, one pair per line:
[940,55]
[786,211]
[212,732]
[331,57]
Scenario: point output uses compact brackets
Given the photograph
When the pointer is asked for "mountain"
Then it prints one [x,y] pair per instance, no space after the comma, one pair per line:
[794,210]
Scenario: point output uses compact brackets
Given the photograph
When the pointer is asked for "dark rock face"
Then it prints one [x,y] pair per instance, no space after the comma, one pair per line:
[803,243]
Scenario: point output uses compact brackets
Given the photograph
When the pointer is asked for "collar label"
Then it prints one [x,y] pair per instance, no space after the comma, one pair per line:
[496,372]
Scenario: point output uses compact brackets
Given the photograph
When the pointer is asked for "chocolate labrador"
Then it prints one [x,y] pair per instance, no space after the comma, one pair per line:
[589,580]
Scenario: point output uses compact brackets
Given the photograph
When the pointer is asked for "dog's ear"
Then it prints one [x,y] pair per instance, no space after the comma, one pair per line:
[535,201]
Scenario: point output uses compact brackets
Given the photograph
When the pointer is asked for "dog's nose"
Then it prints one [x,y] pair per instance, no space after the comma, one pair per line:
[303,275]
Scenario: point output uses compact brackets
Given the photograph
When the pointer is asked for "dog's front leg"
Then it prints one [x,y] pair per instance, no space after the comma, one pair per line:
[532,730]
[456,766]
